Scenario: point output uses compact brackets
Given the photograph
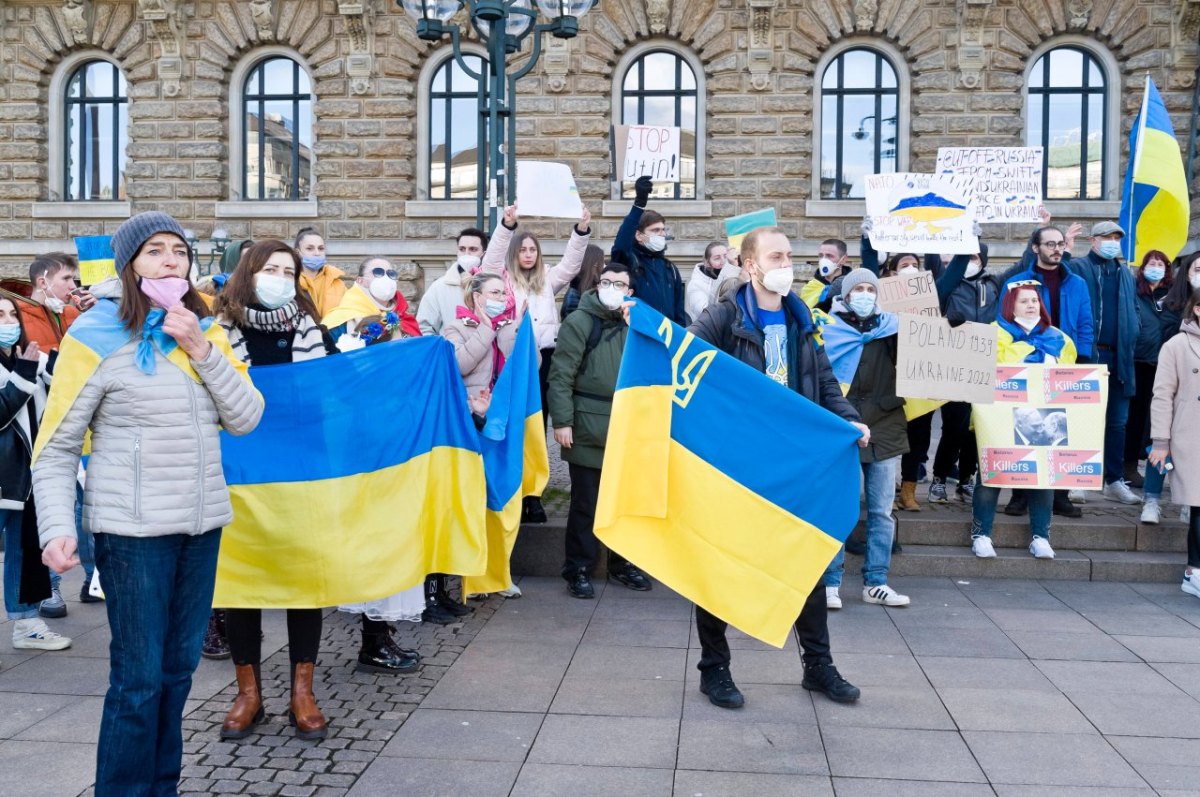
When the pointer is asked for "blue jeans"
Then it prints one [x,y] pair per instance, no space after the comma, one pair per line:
[87,546]
[879,480]
[10,523]
[983,510]
[1152,485]
[1116,416]
[158,594]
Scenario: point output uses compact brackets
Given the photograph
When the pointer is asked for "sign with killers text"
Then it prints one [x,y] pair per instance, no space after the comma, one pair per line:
[1044,428]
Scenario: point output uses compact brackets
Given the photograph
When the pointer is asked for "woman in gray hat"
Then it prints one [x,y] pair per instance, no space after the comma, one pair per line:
[155,381]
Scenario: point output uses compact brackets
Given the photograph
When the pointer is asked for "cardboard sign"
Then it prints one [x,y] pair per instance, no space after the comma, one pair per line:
[1008,180]
[96,262]
[738,227]
[547,189]
[921,213]
[1044,428]
[912,293]
[937,361]
[646,151]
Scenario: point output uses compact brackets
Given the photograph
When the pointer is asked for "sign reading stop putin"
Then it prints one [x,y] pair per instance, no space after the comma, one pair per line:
[646,151]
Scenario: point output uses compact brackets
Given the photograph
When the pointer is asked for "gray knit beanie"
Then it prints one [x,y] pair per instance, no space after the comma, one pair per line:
[130,236]
[857,277]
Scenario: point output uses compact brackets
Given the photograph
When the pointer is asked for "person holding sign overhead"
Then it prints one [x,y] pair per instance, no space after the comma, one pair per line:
[641,244]
[1025,335]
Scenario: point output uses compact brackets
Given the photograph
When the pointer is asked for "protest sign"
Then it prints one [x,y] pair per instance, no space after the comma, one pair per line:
[96,261]
[911,293]
[921,213]
[1045,427]
[547,189]
[1008,180]
[646,150]
[738,227]
[937,361]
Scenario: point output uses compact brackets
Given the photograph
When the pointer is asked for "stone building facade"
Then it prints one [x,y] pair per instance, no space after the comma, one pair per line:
[962,73]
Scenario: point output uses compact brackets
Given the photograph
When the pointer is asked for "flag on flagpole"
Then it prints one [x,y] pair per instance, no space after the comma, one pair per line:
[1154,202]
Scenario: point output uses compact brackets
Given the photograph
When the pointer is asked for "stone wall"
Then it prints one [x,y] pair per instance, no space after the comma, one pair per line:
[966,60]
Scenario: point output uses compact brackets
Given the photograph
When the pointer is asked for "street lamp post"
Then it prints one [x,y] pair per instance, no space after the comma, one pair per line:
[503,25]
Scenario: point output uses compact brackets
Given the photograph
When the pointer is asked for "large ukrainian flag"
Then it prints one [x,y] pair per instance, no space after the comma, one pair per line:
[726,486]
[1154,202]
[514,457]
[363,475]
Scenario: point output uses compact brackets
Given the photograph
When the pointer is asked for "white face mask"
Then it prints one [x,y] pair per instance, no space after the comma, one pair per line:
[274,292]
[907,270]
[611,297]
[383,289]
[825,267]
[54,304]
[778,280]
[468,262]
[1194,281]
[973,268]
[656,243]
[1027,324]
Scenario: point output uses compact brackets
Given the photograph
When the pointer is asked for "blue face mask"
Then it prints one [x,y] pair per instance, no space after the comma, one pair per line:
[9,335]
[1110,250]
[1154,273]
[862,303]
[495,308]
[313,263]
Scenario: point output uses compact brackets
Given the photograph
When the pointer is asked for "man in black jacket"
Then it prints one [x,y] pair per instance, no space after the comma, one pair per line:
[767,327]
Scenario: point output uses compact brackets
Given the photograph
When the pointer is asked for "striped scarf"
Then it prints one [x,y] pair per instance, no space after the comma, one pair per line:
[308,343]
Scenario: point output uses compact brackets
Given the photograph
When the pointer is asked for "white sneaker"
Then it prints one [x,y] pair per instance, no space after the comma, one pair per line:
[884,596]
[1191,583]
[1040,548]
[982,547]
[33,634]
[1077,496]
[832,599]
[1151,513]
[1119,491]
[512,592]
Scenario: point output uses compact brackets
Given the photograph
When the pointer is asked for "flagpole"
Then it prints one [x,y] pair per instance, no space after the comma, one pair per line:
[1136,157]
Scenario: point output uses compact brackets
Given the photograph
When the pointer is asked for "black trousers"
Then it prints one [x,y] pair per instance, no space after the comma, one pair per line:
[919,432]
[582,546]
[243,629]
[957,446]
[1194,539]
[1137,428]
[812,629]
[544,381]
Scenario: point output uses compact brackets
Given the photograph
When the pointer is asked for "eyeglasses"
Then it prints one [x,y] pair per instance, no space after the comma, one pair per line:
[621,286]
[1054,245]
[378,271]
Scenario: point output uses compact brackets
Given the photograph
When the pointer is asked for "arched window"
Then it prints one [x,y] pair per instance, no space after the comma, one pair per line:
[96,128]
[860,126]
[659,88]
[1065,114]
[277,131]
[456,129]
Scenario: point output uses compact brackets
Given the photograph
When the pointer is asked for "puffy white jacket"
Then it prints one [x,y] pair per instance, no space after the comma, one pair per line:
[543,308]
[155,467]
[441,301]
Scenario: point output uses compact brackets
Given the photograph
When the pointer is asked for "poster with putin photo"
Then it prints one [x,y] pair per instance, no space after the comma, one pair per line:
[1045,427]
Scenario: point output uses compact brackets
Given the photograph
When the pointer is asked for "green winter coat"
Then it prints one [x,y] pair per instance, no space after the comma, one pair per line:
[581,397]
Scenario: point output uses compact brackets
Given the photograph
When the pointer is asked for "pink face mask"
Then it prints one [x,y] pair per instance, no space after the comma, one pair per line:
[165,292]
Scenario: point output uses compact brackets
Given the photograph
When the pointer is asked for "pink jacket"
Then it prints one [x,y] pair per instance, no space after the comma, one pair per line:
[543,308]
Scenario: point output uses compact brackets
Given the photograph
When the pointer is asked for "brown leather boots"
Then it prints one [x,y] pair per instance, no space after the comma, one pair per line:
[248,711]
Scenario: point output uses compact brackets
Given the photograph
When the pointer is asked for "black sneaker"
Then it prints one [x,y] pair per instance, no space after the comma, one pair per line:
[532,510]
[1064,507]
[452,606]
[826,679]
[1017,505]
[85,595]
[629,576]
[435,613]
[718,684]
[580,586]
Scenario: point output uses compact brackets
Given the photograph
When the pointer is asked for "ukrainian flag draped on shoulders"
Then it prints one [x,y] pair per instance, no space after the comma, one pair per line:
[98,334]
[1016,345]
[738,515]
[1154,201]
[363,475]
[514,456]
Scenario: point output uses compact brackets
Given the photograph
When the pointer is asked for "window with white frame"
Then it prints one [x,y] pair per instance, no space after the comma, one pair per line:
[1066,113]
[659,87]
[860,121]
[456,129]
[95,133]
[277,131]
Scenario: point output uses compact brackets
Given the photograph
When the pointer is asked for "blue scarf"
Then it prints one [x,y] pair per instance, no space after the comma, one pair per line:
[844,343]
[153,337]
[1044,340]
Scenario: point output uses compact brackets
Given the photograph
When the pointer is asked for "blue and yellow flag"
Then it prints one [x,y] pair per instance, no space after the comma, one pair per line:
[96,261]
[363,475]
[1154,202]
[514,457]
[739,515]
[738,227]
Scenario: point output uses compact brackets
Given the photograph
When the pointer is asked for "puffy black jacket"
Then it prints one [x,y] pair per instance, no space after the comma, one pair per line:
[656,280]
[1157,324]
[975,300]
[873,394]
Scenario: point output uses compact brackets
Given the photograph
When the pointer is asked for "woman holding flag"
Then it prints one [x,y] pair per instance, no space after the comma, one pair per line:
[154,380]
[1025,335]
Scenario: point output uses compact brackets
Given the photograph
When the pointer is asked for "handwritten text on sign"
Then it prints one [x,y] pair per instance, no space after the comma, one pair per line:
[913,293]
[937,361]
[921,213]
[1008,180]
[649,151]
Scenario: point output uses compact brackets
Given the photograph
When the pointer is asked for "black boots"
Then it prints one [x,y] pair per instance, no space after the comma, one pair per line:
[718,684]
[215,644]
[440,608]
[826,679]
[532,510]
[1063,505]
[381,654]
[1017,505]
